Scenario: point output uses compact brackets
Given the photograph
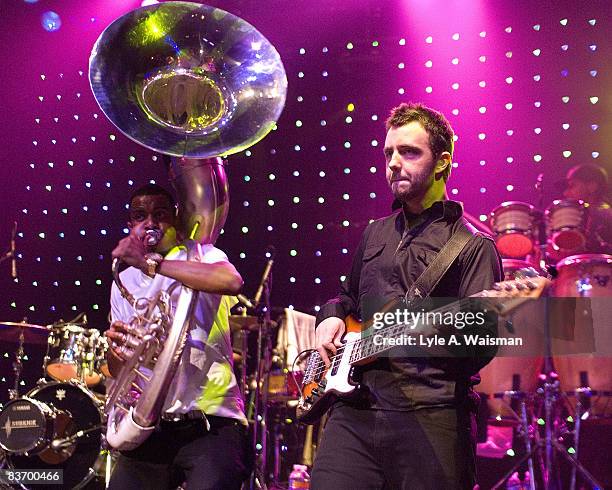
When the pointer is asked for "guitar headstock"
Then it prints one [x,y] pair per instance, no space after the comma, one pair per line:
[517,291]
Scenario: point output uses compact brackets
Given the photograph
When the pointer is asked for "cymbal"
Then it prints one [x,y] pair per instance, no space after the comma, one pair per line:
[33,334]
[248,322]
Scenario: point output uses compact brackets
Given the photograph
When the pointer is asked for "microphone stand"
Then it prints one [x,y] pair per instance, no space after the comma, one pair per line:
[262,378]
[264,362]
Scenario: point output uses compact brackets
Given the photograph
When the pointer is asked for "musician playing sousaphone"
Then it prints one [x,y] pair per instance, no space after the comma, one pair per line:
[201,438]
[193,83]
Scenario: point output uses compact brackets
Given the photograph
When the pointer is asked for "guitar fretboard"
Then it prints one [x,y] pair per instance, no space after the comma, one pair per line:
[366,347]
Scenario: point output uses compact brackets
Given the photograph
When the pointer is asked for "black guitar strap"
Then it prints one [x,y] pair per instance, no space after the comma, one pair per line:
[434,272]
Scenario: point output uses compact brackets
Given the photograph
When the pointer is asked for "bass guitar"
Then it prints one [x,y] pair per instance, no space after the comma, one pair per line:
[323,385]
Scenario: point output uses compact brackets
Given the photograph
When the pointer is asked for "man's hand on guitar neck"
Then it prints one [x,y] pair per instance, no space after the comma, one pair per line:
[328,337]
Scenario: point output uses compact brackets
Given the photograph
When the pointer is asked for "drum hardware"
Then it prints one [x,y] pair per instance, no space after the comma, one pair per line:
[20,332]
[11,253]
[18,366]
[74,352]
[525,433]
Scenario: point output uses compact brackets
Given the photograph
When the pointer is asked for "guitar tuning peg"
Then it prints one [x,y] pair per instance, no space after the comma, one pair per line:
[509,287]
[520,286]
[531,285]
[497,287]
[526,272]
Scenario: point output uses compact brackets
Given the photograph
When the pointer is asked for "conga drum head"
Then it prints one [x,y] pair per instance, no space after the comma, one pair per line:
[514,225]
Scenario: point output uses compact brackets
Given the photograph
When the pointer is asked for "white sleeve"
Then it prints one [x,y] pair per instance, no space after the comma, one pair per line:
[116,302]
[209,254]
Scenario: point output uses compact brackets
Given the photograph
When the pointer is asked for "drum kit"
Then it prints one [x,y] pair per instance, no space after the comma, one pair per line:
[564,375]
[59,423]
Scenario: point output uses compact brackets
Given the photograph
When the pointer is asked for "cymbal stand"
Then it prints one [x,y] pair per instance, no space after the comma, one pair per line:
[580,392]
[264,363]
[526,434]
[17,367]
[46,358]
[244,345]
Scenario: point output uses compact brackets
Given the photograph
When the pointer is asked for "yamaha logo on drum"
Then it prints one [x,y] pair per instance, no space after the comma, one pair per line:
[22,408]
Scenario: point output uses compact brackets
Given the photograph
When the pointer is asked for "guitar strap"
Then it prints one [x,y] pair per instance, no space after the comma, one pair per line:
[434,272]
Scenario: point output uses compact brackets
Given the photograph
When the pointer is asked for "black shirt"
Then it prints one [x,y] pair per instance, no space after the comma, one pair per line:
[392,253]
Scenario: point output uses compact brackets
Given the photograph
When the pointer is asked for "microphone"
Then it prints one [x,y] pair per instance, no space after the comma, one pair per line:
[539,182]
[539,187]
[152,237]
[58,444]
[266,273]
[13,258]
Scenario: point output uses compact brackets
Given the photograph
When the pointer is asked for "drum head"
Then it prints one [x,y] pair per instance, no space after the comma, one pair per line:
[24,426]
[77,458]
[515,245]
[62,371]
[568,240]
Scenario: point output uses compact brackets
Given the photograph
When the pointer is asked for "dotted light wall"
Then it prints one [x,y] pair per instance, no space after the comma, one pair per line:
[524,88]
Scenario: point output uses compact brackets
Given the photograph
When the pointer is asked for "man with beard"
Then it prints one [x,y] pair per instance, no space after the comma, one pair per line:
[414,426]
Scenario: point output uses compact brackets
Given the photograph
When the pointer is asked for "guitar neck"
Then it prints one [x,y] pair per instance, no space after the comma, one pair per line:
[513,293]
[367,347]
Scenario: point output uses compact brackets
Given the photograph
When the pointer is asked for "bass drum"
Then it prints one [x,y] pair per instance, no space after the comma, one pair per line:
[78,457]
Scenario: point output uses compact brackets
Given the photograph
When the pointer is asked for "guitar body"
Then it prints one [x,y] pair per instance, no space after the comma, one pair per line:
[323,386]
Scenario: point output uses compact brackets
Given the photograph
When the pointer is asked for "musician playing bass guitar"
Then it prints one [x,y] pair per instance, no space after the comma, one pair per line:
[413,426]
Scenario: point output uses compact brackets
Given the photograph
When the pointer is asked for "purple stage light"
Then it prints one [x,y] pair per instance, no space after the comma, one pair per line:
[50,21]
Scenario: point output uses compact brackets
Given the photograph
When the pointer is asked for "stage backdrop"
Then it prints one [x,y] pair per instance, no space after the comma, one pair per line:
[525,85]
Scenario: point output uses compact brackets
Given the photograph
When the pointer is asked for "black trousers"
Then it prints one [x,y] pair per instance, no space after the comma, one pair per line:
[187,454]
[364,449]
